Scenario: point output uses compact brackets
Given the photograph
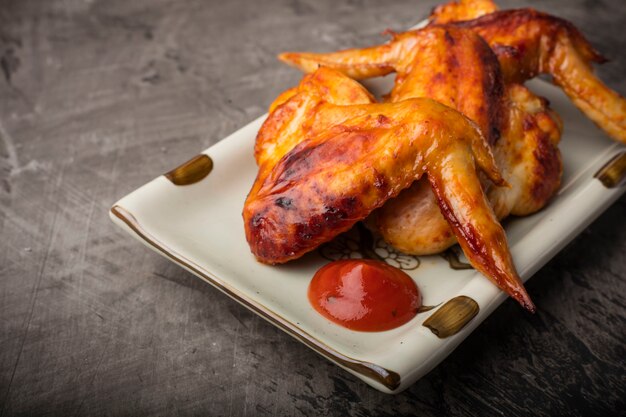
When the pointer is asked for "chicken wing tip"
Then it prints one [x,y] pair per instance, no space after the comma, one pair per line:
[524,300]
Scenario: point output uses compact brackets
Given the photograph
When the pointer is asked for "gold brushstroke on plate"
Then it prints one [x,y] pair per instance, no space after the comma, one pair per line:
[424,309]
[453,256]
[613,173]
[387,378]
[191,171]
[452,316]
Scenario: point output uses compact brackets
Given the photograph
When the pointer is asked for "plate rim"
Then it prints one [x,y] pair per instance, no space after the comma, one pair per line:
[387,378]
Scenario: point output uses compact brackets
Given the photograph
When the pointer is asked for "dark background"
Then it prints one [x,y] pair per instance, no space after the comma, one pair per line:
[98,97]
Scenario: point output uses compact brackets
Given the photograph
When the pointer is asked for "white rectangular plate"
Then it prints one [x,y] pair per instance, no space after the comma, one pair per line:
[199,226]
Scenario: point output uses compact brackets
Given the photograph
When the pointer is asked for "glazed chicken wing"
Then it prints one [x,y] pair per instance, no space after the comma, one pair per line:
[527,43]
[457,68]
[528,155]
[350,159]
[527,151]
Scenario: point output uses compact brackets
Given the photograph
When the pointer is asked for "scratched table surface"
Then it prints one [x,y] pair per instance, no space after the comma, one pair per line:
[98,97]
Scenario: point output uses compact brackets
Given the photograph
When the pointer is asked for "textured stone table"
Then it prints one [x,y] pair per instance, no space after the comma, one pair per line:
[98,97]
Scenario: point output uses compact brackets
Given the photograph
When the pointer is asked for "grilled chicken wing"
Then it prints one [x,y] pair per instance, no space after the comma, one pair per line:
[457,68]
[353,158]
[527,43]
[528,155]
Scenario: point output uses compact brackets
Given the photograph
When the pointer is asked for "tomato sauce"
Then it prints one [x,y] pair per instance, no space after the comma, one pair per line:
[364,295]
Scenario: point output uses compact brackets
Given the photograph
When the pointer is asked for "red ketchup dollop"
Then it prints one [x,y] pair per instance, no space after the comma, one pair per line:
[364,295]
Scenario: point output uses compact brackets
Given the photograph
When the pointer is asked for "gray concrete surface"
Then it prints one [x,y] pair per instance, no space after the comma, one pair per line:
[98,97]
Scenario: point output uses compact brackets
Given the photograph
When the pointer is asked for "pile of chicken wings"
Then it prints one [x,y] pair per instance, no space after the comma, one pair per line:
[457,144]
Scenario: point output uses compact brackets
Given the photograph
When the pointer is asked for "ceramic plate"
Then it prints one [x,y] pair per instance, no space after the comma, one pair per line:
[192,215]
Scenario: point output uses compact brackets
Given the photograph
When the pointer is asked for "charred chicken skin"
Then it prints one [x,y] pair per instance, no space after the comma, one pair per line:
[350,159]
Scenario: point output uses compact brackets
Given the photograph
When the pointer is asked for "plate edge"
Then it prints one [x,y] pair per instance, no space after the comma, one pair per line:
[388,379]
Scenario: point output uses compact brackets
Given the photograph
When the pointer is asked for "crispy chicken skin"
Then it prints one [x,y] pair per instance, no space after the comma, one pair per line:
[528,155]
[456,11]
[452,66]
[293,112]
[457,68]
[527,43]
[353,158]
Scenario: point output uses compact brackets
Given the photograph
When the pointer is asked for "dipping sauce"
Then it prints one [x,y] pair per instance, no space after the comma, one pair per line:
[364,295]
